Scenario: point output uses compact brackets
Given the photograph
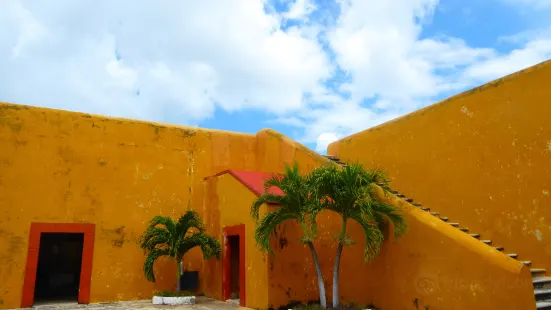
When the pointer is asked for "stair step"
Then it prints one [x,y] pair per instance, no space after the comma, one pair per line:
[543,305]
[488,242]
[425,209]
[542,293]
[499,248]
[527,263]
[511,255]
[331,157]
[400,195]
[445,218]
[464,229]
[542,282]
[454,224]
[538,272]
[477,236]
[417,204]
[434,213]
[410,200]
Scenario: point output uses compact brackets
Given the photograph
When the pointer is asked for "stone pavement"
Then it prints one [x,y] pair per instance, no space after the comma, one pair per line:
[202,303]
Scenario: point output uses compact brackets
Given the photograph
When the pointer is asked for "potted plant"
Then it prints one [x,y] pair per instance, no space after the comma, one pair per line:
[166,237]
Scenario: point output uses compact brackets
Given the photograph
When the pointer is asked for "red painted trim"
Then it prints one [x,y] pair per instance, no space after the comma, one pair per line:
[27,298]
[252,180]
[238,230]
[217,174]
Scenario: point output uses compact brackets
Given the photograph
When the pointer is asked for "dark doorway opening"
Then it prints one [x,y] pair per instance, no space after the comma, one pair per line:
[234,268]
[59,267]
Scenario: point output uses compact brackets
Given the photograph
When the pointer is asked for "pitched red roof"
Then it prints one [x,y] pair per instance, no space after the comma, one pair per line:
[253,180]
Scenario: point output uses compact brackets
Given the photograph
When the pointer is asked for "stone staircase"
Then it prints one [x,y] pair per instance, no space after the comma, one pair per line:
[542,283]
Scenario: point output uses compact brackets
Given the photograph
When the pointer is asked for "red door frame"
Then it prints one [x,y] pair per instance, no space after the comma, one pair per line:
[238,230]
[27,298]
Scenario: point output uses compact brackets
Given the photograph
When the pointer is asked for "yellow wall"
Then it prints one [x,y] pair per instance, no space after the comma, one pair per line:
[229,205]
[482,158]
[58,166]
[433,267]
[275,149]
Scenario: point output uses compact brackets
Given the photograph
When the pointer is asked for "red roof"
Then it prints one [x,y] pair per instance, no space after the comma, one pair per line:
[253,180]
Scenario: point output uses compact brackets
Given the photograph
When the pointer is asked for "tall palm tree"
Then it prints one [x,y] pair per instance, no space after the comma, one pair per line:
[165,237]
[299,203]
[350,191]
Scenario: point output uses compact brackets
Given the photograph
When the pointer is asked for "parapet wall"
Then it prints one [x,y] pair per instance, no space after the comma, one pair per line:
[66,167]
[481,158]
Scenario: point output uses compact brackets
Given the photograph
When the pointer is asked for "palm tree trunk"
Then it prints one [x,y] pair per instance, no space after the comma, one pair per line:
[321,285]
[336,276]
[337,265]
[178,266]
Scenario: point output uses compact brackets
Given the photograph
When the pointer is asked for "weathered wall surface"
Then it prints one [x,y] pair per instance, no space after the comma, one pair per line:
[275,149]
[482,158]
[433,267]
[58,166]
[229,205]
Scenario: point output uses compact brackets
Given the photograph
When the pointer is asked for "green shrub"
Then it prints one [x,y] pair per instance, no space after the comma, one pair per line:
[174,294]
[309,307]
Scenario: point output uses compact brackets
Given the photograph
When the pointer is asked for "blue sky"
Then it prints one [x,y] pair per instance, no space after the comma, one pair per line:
[315,70]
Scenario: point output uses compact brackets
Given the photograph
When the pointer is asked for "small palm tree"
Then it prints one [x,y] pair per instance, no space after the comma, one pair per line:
[165,237]
[299,203]
[351,192]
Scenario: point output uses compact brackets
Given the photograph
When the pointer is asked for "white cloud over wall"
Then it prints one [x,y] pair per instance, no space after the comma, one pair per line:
[188,58]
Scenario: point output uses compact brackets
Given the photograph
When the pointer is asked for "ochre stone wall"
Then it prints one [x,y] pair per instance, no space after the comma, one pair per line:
[481,158]
[65,167]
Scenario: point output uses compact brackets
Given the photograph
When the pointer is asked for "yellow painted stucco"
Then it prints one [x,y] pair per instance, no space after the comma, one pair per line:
[229,206]
[66,167]
[481,158]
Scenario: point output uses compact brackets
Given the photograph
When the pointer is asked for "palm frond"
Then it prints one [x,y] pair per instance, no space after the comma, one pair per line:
[209,246]
[150,260]
[382,211]
[300,201]
[153,237]
[165,237]
[373,236]
[190,219]
[267,225]
[265,199]
[164,221]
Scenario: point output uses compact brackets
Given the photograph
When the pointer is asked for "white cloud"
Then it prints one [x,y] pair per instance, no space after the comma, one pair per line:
[299,9]
[532,53]
[182,57]
[324,140]
[378,44]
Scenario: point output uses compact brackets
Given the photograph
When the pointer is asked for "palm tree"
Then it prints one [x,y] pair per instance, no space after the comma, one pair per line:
[165,237]
[299,203]
[351,192]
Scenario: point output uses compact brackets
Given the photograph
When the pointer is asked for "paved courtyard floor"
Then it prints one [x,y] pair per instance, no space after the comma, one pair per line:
[202,303]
